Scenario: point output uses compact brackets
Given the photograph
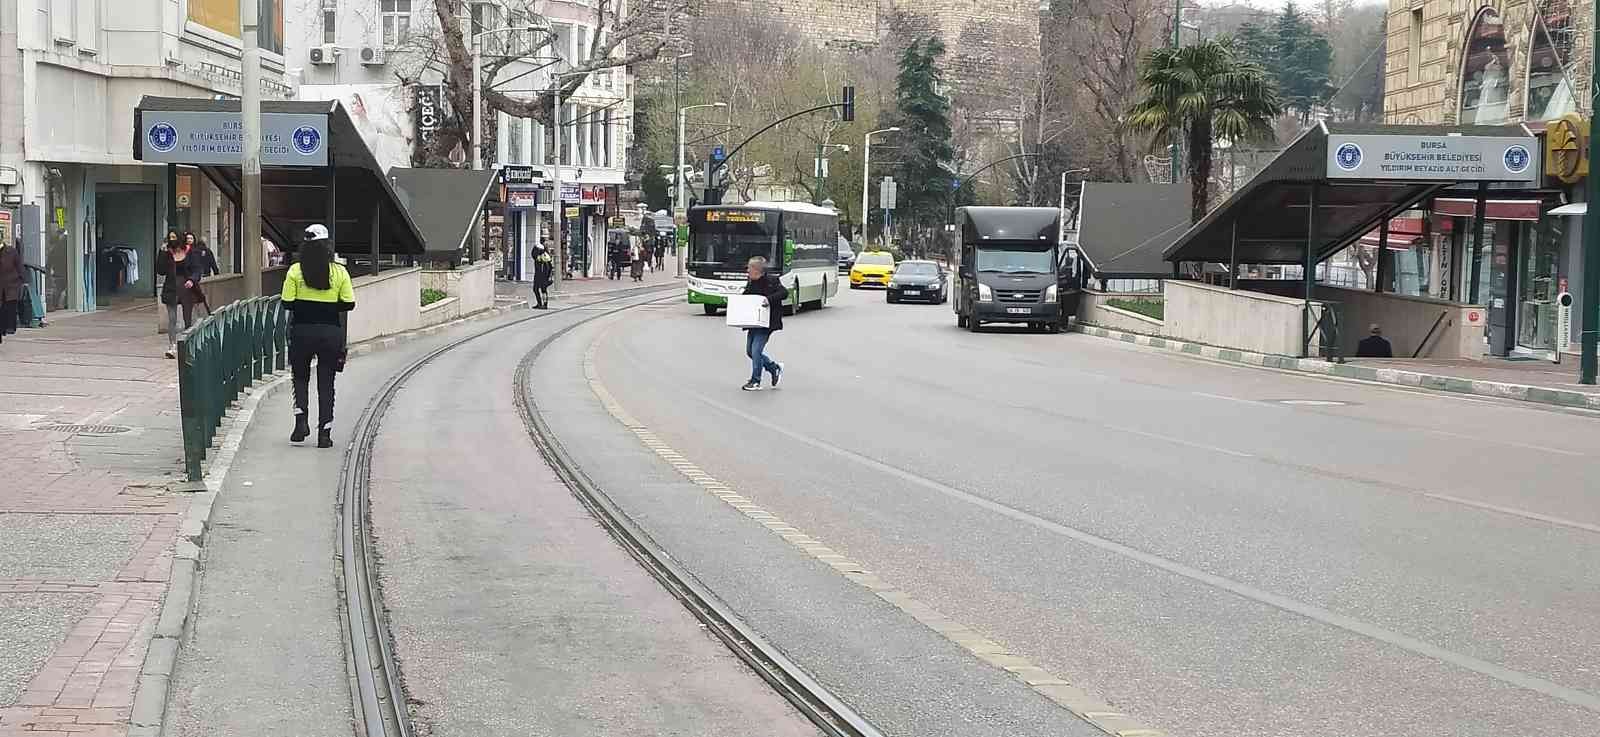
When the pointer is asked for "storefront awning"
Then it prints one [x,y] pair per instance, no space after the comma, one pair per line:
[1397,241]
[1520,209]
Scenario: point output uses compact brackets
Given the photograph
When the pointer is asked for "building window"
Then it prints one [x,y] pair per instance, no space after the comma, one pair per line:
[597,137]
[563,47]
[581,54]
[610,144]
[514,140]
[1414,52]
[330,21]
[568,133]
[396,16]
[1550,89]
[1485,74]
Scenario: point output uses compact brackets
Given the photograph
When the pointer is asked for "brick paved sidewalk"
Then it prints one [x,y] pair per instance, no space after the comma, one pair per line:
[90,428]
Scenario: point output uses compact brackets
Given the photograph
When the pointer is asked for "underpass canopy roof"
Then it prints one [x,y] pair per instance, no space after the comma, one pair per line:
[308,148]
[1363,174]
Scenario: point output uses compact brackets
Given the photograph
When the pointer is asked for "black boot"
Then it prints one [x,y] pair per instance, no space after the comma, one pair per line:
[325,438]
[302,429]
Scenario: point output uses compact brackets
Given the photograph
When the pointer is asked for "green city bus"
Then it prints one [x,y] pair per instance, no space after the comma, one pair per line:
[799,241]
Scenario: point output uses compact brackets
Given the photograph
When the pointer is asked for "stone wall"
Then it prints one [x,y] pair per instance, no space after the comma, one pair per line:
[1431,93]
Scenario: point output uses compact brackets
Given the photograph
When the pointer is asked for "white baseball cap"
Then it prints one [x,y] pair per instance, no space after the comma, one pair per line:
[316,233]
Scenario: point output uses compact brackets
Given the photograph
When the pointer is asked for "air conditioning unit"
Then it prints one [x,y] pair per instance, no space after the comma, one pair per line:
[372,56]
[324,54]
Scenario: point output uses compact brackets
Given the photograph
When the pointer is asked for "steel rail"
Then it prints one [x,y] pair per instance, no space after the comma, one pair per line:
[376,689]
[819,705]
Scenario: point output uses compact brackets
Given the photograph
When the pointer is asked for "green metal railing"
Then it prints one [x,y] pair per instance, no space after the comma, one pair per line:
[218,358]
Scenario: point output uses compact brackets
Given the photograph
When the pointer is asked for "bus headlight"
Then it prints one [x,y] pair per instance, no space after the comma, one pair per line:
[1050,294]
[985,294]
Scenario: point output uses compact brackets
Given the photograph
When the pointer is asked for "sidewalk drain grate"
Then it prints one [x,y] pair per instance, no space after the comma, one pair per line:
[87,429]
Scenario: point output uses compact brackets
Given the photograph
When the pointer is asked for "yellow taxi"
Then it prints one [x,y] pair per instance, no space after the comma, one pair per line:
[872,267]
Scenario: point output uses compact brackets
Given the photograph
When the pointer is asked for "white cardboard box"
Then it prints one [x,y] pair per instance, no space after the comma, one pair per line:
[748,311]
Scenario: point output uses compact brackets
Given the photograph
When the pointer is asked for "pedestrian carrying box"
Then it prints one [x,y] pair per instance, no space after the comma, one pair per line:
[748,311]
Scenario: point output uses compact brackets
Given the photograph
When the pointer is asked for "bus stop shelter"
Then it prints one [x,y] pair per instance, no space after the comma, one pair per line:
[315,169]
[1338,182]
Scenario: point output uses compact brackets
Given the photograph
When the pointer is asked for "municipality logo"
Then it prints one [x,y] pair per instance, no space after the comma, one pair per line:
[1517,159]
[1348,157]
[163,137]
[307,140]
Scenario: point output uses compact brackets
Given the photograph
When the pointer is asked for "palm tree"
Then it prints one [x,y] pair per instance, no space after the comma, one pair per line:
[1201,92]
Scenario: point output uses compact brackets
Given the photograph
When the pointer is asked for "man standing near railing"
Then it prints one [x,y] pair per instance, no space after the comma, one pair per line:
[316,291]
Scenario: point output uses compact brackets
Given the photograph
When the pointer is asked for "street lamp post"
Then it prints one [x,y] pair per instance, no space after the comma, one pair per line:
[866,170]
[682,207]
[1589,323]
[678,215]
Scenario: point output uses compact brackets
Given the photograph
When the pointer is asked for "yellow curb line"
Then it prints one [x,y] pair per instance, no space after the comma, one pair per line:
[1081,703]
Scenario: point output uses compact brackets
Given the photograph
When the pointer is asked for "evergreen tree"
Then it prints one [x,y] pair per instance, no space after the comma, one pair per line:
[923,143]
[1254,43]
[1301,63]
[657,188]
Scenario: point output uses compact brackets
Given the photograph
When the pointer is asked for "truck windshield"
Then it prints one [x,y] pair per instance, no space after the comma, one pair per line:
[729,239]
[1014,262]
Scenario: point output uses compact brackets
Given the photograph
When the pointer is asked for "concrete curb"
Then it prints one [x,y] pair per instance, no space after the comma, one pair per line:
[150,701]
[1397,377]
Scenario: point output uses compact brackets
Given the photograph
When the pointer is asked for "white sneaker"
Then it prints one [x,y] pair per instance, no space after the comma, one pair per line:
[172,353]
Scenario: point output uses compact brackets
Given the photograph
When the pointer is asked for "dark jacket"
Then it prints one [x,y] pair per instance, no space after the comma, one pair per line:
[1374,346]
[174,273]
[544,269]
[11,274]
[770,287]
[208,261]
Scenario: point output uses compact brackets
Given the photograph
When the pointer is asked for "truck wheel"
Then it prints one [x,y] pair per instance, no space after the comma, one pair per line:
[710,309]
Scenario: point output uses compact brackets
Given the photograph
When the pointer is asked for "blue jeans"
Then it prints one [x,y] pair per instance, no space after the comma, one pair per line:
[755,346]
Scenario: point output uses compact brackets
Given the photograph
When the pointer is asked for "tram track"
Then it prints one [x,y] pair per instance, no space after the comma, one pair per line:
[376,685]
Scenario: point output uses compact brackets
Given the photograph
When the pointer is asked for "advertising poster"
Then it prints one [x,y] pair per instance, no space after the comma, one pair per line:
[382,113]
[222,16]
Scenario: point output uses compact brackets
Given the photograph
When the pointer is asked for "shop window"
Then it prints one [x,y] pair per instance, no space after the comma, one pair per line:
[1550,88]
[1485,88]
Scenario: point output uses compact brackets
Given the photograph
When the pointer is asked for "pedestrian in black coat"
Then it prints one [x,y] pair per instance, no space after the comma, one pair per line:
[765,284]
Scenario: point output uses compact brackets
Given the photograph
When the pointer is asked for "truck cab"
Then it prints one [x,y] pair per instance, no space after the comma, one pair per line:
[1012,269]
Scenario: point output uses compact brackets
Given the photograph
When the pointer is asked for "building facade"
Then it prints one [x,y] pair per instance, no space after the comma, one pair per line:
[1470,62]
[355,51]
[91,214]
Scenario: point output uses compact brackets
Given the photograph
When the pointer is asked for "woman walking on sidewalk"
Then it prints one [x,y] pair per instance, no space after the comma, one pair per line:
[11,281]
[317,292]
[180,274]
[544,269]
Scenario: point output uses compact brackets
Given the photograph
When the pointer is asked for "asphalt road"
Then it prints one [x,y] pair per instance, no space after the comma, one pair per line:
[1192,542]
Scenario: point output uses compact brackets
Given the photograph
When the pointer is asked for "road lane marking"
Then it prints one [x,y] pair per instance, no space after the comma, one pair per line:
[1060,691]
[1309,611]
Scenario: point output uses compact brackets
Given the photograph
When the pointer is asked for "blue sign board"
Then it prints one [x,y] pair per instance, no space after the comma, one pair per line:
[204,137]
[717,154]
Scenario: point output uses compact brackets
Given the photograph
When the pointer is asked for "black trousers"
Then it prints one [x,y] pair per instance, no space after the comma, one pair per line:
[8,317]
[324,343]
[541,295]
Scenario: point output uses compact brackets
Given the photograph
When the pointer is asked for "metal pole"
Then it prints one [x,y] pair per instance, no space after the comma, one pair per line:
[557,211]
[1061,210]
[1589,324]
[1233,257]
[678,210]
[1378,285]
[1477,240]
[1309,279]
[477,102]
[816,197]
[1177,148]
[250,167]
[866,167]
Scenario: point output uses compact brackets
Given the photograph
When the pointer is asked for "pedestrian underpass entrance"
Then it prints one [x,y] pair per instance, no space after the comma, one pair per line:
[1335,184]
[315,169]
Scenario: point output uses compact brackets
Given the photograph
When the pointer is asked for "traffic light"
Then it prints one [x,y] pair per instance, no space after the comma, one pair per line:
[848,114]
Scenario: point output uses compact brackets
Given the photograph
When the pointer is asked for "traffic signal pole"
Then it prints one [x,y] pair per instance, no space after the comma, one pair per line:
[1589,338]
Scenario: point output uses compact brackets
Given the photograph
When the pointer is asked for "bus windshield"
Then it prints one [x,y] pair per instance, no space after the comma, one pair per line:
[730,238]
[1014,262]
